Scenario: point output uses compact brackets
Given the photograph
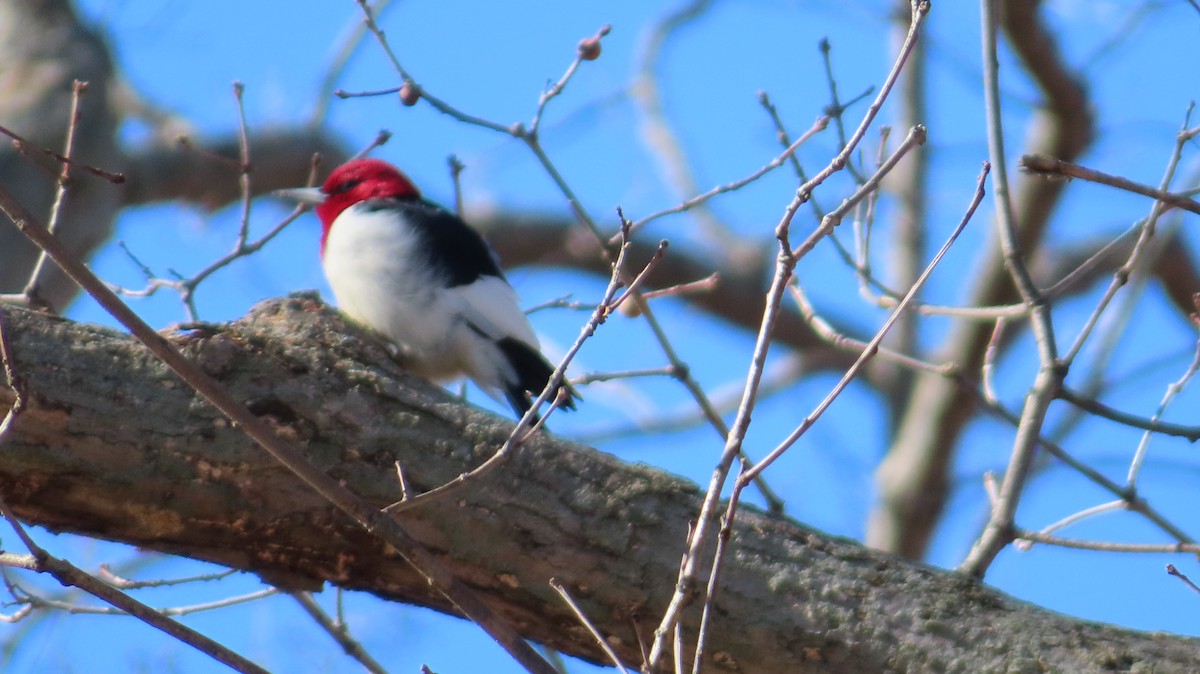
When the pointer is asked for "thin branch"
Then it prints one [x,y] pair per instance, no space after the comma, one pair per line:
[239,90]
[588,50]
[1080,516]
[785,262]
[1173,389]
[873,346]
[998,532]
[785,141]
[22,144]
[845,343]
[350,41]
[77,609]
[1171,570]
[1103,546]
[437,103]
[1098,408]
[60,193]
[702,286]
[835,109]
[338,631]
[593,377]
[583,620]
[788,153]
[121,583]
[1049,166]
[1145,233]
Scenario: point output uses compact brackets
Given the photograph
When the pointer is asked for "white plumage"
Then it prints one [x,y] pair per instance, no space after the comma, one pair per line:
[373,265]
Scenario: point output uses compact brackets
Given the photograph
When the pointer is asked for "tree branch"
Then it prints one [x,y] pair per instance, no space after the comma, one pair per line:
[111,446]
[914,477]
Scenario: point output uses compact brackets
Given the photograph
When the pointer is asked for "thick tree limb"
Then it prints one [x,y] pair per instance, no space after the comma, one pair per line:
[279,158]
[114,446]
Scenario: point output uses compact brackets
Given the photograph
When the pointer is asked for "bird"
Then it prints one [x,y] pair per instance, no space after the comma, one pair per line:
[420,277]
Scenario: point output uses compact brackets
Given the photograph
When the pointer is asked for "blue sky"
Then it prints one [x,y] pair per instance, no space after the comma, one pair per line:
[492,60]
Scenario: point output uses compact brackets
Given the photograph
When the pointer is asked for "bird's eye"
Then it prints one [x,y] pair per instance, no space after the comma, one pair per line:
[347,186]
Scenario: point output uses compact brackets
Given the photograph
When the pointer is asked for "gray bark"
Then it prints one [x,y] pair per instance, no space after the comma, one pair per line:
[115,446]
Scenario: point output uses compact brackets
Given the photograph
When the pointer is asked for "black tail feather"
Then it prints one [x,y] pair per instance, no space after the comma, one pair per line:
[533,373]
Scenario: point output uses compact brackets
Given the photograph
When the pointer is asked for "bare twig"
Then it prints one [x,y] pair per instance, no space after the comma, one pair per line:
[785,141]
[788,153]
[1171,570]
[1049,377]
[244,170]
[703,285]
[1104,546]
[785,262]
[1173,390]
[121,583]
[1073,518]
[851,373]
[835,109]
[337,630]
[989,362]
[583,620]
[1043,165]
[60,194]
[1145,234]
[170,611]
[873,346]
[1098,408]
[350,40]
[593,377]
[557,88]
[114,178]
[841,341]
[438,104]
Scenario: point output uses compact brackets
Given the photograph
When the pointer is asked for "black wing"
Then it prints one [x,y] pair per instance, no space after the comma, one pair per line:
[533,373]
[452,246]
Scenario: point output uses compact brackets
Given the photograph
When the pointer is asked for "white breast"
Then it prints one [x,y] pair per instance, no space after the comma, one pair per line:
[378,276]
[381,279]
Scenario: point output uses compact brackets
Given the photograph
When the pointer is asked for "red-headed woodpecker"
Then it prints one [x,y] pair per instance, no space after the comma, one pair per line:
[419,276]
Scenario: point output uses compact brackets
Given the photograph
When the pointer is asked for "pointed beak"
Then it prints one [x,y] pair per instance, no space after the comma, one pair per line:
[305,195]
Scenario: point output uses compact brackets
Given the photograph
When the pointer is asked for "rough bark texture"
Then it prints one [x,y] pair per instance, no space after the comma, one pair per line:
[115,446]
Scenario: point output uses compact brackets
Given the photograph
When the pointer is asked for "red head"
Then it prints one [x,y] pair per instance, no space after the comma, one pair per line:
[359,180]
[350,183]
